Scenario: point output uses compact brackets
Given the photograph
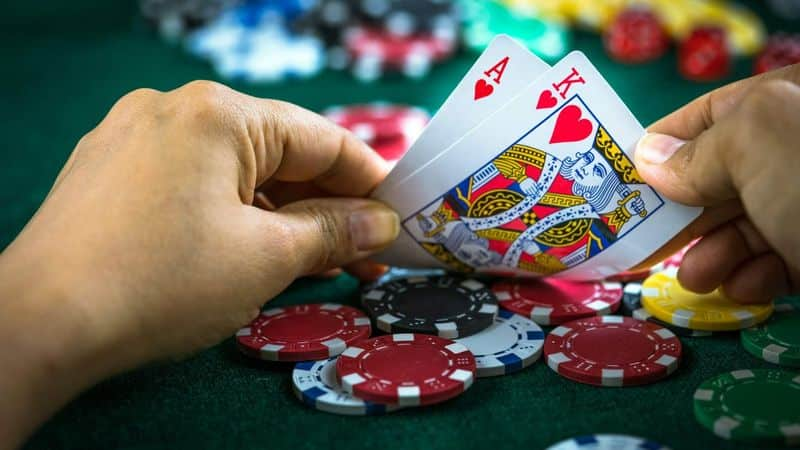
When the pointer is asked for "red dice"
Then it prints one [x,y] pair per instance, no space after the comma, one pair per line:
[781,50]
[704,55]
[635,36]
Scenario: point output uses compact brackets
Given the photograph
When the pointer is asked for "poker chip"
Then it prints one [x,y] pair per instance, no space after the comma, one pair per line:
[612,351]
[406,369]
[778,339]
[509,345]
[388,128]
[446,306]
[632,305]
[315,384]
[554,301]
[303,332]
[607,442]
[256,50]
[756,405]
[398,273]
[667,300]
[485,20]
[373,52]
[642,314]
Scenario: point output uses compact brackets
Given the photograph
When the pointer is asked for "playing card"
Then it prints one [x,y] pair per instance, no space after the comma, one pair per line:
[502,70]
[544,186]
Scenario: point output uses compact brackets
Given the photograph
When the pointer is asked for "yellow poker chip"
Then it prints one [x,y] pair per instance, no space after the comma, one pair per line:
[665,299]
[746,32]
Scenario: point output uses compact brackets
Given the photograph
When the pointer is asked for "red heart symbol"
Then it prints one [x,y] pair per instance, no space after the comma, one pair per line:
[483,89]
[546,100]
[570,127]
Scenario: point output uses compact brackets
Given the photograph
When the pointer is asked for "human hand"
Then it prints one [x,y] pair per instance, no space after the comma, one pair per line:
[149,245]
[735,152]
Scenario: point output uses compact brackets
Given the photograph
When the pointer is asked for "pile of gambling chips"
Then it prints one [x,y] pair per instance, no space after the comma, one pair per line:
[274,40]
[422,336]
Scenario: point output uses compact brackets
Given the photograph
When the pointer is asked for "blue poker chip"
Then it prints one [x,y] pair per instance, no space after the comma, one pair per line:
[509,345]
[246,45]
[314,383]
[607,442]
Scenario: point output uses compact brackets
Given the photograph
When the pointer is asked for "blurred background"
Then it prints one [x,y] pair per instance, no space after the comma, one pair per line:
[67,62]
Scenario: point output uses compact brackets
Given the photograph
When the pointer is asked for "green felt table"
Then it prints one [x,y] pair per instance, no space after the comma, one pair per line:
[65,63]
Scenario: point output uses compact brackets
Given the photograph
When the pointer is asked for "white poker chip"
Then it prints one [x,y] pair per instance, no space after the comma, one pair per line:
[512,343]
[314,383]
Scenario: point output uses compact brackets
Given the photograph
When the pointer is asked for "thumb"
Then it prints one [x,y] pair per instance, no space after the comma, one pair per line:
[692,172]
[332,232]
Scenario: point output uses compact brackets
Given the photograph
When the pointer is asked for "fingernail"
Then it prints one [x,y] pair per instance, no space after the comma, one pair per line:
[374,227]
[655,148]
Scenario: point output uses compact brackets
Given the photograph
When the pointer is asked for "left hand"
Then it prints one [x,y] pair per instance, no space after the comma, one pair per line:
[150,244]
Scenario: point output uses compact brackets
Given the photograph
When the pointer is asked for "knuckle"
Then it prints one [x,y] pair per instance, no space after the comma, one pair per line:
[202,102]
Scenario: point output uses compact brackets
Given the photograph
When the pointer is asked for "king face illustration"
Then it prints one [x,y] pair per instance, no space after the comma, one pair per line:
[536,211]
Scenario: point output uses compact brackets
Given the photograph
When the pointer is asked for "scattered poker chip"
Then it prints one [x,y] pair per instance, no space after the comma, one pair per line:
[631,297]
[315,384]
[512,343]
[446,306]
[388,128]
[484,20]
[642,314]
[632,305]
[636,36]
[374,52]
[607,442]
[303,332]
[704,55]
[261,52]
[667,300]
[406,369]
[756,405]
[612,351]
[781,50]
[778,339]
[554,301]
[408,17]
[174,18]
[398,273]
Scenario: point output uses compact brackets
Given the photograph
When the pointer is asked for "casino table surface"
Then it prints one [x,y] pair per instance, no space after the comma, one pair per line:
[65,65]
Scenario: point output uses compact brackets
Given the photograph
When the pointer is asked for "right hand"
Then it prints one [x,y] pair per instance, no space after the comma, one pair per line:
[735,151]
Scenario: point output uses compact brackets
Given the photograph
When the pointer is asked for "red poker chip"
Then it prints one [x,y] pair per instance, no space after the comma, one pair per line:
[396,51]
[303,332]
[406,369]
[612,351]
[555,301]
[389,129]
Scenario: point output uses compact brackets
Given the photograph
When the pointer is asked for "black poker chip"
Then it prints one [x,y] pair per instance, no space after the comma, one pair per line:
[446,306]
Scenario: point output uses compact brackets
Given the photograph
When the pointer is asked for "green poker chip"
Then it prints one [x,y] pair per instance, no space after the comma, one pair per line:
[778,339]
[757,405]
[484,20]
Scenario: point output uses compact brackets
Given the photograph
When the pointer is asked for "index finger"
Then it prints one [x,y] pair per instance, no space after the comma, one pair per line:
[310,147]
[701,113]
